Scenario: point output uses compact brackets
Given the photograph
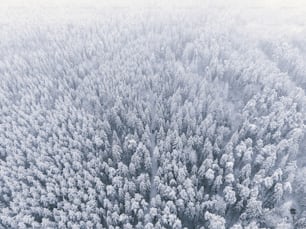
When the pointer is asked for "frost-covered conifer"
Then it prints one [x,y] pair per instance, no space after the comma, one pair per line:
[150,121]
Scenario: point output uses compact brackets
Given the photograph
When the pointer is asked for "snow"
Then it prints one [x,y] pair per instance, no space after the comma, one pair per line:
[123,114]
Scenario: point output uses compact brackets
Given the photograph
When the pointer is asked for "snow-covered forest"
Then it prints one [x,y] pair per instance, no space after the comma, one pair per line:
[179,118]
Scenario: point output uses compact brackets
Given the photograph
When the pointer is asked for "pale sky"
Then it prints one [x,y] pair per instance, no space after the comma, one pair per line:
[155,3]
[283,15]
